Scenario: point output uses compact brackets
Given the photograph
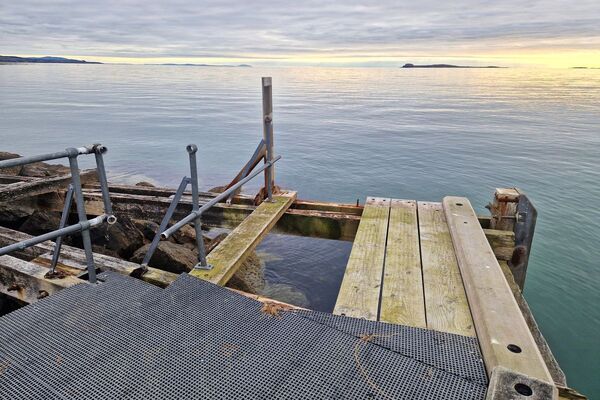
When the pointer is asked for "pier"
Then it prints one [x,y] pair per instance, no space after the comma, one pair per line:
[430,305]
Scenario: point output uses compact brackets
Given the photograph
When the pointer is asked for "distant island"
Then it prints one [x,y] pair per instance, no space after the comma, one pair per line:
[447,66]
[209,65]
[585,67]
[51,60]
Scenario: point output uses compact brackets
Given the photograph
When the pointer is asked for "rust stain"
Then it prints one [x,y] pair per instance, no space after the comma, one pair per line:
[273,309]
[229,349]
[4,366]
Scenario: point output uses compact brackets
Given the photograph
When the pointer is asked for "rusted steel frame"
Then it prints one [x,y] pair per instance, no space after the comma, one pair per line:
[524,229]
[259,153]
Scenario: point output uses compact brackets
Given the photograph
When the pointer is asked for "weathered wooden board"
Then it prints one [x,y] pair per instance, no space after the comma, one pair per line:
[229,255]
[361,286]
[557,373]
[302,221]
[503,334]
[72,259]
[26,281]
[502,243]
[445,299]
[402,300]
[18,190]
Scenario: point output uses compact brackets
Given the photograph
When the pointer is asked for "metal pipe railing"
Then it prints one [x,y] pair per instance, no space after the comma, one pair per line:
[15,162]
[197,211]
[75,191]
[68,230]
[195,214]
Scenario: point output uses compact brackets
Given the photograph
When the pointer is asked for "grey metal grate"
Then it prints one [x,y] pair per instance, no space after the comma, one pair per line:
[127,339]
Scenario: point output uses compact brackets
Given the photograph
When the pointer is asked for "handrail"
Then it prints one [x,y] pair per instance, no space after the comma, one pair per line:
[74,190]
[222,196]
[197,211]
[264,149]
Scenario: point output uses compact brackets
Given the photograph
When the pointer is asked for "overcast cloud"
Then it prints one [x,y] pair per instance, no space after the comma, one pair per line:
[274,30]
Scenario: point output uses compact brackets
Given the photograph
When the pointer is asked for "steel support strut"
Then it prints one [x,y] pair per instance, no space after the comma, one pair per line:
[165,221]
[63,222]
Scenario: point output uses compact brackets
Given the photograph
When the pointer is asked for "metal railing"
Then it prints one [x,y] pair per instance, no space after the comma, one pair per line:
[263,151]
[197,211]
[74,191]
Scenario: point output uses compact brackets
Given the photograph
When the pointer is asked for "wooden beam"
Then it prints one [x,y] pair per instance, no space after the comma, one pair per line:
[445,299]
[502,243]
[503,334]
[26,281]
[166,192]
[402,299]
[558,376]
[302,222]
[18,190]
[361,285]
[229,255]
[72,260]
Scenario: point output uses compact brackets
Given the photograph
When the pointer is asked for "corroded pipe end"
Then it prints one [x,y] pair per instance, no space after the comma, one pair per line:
[99,148]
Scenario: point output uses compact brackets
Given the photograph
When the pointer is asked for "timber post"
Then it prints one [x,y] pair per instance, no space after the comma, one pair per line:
[504,209]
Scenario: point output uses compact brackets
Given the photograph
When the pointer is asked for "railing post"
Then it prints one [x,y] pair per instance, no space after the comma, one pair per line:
[267,99]
[202,264]
[85,233]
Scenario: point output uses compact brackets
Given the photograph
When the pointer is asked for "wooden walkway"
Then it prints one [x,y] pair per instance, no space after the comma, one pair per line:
[430,265]
[403,270]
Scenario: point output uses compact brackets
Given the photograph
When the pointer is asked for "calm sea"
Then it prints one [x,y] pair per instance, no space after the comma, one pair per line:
[348,133]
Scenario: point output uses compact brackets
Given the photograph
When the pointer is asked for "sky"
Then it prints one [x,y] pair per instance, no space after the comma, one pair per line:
[306,32]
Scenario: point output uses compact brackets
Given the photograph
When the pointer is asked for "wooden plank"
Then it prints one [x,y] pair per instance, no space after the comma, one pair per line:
[402,300]
[8,179]
[445,299]
[361,285]
[503,334]
[72,260]
[502,243]
[39,186]
[304,222]
[557,373]
[26,281]
[229,255]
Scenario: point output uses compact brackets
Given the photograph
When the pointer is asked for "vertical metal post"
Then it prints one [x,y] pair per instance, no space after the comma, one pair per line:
[85,234]
[202,263]
[267,99]
[63,222]
[525,220]
[165,221]
[98,151]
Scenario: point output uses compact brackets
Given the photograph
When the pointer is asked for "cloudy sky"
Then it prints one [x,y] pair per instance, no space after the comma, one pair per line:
[385,32]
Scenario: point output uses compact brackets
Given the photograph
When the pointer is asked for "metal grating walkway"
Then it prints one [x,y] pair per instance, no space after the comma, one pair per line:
[125,339]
